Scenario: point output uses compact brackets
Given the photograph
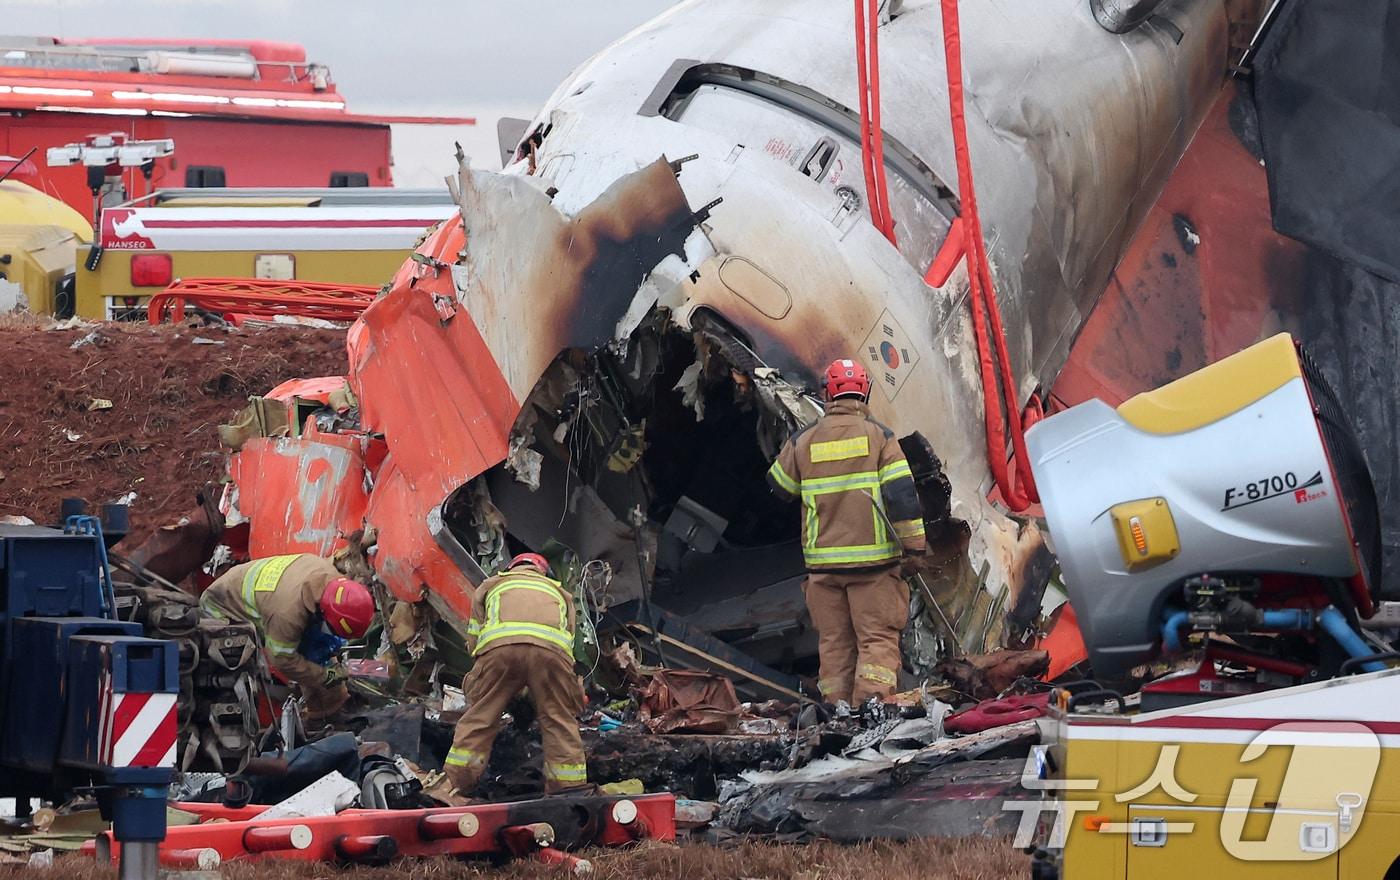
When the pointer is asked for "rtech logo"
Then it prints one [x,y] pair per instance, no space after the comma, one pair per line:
[1303,496]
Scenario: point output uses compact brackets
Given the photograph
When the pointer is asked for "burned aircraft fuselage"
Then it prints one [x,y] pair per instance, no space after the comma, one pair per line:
[632,315]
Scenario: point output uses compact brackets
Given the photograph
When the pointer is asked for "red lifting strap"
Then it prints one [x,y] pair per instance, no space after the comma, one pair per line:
[1020,493]
[872,135]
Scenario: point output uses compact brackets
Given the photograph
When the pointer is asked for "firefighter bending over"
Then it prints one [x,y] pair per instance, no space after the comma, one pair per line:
[522,636]
[855,486]
[304,610]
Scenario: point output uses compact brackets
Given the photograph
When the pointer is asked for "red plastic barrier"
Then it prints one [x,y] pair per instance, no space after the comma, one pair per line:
[356,834]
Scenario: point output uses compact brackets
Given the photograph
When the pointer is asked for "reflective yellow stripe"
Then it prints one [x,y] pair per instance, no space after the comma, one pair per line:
[507,586]
[495,628]
[277,647]
[206,604]
[840,450]
[877,517]
[829,685]
[534,630]
[473,627]
[894,471]
[884,548]
[780,477]
[877,674]
[271,572]
[909,528]
[843,483]
[860,553]
[566,772]
[463,758]
[262,577]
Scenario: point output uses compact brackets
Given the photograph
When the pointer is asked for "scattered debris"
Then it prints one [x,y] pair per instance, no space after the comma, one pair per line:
[93,338]
[12,297]
[689,702]
[325,797]
[878,796]
[987,676]
[98,403]
[72,323]
[996,713]
[524,462]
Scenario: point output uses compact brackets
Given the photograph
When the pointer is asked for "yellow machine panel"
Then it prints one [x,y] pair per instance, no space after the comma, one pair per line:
[1214,392]
[1146,532]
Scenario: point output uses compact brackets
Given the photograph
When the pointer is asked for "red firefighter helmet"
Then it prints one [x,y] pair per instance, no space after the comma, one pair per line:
[348,607]
[534,560]
[846,376]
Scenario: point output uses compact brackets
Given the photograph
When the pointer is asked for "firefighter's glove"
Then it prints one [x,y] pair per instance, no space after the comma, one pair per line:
[319,646]
[335,675]
[910,565]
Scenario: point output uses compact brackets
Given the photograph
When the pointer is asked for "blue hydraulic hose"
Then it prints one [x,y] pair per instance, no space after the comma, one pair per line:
[1171,630]
[1287,618]
[1331,620]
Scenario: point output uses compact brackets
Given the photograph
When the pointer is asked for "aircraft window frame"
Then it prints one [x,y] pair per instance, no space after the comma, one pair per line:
[681,80]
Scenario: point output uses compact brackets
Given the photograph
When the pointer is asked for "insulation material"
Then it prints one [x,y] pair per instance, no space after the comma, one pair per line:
[689,702]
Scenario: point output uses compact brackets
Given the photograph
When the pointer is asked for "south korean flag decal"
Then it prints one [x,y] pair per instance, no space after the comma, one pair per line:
[889,354]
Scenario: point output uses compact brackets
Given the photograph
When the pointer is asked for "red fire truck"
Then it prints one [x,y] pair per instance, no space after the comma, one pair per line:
[241,113]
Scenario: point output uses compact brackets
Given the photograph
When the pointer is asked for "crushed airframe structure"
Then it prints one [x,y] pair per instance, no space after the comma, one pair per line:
[607,347]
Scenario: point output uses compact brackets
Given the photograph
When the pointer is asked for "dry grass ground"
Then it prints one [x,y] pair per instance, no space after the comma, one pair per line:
[968,859]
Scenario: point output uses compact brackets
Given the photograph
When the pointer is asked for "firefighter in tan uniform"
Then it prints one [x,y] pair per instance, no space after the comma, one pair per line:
[522,636]
[301,605]
[860,516]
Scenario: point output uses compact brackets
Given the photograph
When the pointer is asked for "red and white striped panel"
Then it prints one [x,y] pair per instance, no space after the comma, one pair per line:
[138,730]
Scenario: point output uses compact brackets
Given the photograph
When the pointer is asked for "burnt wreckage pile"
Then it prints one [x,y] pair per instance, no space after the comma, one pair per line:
[636,464]
[651,455]
[648,457]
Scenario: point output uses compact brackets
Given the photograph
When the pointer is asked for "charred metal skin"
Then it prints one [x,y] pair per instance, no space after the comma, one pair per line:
[635,310]
[1073,133]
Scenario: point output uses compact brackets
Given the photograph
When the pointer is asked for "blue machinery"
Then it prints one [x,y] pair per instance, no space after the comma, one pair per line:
[86,703]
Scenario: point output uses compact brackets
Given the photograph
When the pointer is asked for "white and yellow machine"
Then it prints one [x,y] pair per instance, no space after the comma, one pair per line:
[1293,784]
[1234,500]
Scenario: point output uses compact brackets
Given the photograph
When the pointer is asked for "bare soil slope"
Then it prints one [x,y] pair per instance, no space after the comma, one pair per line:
[168,394]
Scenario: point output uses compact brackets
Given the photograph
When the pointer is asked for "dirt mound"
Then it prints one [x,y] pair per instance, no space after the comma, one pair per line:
[168,388]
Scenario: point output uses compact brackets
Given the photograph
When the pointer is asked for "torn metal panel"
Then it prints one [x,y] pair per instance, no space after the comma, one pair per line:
[320,389]
[433,390]
[407,558]
[301,495]
[524,462]
[538,281]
